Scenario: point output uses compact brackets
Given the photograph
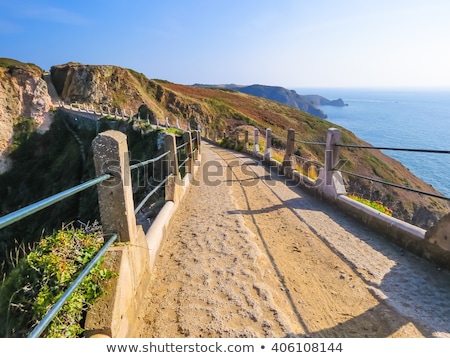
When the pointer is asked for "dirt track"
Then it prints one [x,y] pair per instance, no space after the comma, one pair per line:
[248,256]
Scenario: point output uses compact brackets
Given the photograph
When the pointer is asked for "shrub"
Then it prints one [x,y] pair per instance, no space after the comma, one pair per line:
[43,276]
[377,205]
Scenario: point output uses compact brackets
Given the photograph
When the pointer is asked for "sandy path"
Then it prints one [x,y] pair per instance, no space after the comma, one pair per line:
[248,256]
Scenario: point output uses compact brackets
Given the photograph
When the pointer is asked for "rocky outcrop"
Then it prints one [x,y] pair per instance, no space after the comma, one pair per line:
[23,93]
[322,101]
[306,103]
[108,85]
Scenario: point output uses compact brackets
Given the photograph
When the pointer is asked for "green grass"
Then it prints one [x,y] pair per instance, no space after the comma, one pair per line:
[377,205]
[43,276]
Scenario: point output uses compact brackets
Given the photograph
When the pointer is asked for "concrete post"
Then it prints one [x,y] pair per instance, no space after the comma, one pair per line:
[268,150]
[290,146]
[246,140]
[197,145]
[171,166]
[115,196]
[256,141]
[331,182]
[331,152]
[187,138]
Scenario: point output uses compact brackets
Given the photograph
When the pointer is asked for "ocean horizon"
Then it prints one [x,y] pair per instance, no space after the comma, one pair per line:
[399,118]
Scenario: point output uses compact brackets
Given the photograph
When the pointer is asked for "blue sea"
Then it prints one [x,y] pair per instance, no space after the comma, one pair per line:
[417,119]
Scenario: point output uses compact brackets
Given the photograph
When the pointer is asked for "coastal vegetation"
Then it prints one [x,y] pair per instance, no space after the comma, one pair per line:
[40,278]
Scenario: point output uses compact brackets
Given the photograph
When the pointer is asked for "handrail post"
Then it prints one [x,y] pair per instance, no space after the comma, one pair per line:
[198,144]
[287,160]
[256,141]
[115,196]
[331,153]
[331,182]
[268,150]
[171,166]
[187,138]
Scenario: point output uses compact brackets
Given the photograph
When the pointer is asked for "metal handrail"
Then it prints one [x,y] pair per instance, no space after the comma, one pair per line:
[37,331]
[33,208]
[138,165]
[141,204]
[182,145]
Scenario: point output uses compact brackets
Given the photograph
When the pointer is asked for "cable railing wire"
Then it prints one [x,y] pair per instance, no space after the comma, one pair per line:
[394,185]
[391,148]
[311,143]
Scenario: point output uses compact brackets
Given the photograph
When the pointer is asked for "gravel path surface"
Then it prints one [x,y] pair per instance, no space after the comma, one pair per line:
[249,256]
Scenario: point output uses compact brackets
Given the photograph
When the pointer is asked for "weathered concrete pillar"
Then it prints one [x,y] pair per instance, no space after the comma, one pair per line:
[256,141]
[290,147]
[167,122]
[198,144]
[115,196]
[187,138]
[268,150]
[246,140]
[331,182]
[171,166]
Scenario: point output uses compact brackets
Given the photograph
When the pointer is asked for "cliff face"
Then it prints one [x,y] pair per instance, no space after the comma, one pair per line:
[123,89]
[23,93]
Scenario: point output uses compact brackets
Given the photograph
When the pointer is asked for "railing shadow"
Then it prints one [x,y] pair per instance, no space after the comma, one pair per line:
[403,287]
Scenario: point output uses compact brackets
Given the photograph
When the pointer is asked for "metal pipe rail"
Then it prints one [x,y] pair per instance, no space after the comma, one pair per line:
[33,208]
[182,146]
[141,204]
[184,162]
[37,331]
[393,185]
[390,148]
[138,165]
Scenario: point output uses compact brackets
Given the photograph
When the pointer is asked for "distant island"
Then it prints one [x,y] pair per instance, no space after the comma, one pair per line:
[306,103]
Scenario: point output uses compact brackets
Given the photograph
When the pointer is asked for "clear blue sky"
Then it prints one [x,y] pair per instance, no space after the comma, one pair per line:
[291,43]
